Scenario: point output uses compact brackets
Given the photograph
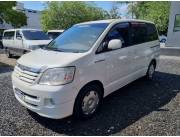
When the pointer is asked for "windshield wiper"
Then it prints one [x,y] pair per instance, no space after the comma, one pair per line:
[54,49]
[75,51]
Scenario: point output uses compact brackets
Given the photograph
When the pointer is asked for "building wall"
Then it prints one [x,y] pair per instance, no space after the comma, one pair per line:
[173,37]
[33,18]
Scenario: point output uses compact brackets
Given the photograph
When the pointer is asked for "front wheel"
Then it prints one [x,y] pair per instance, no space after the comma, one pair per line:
[88,102]
[150,71]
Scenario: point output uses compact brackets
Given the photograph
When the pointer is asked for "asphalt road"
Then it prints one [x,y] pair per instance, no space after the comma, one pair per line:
[140,108]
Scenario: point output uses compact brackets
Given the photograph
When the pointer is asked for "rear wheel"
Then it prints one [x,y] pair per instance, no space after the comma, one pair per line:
[8,53]
[151,70]
[88,102]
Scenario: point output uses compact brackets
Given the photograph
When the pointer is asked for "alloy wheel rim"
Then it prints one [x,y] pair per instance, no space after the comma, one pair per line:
[90,102]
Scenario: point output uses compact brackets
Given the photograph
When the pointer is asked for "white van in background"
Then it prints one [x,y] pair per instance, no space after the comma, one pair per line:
[52,34]
[73,73]
[20,41]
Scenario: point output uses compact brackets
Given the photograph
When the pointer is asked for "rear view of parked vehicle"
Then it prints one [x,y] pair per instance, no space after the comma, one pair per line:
[163,38]
[73,73]
[52,34]
[20,41]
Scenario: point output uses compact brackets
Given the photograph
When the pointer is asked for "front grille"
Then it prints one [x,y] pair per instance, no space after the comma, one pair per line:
[25,98]
[25,94]
[26,74]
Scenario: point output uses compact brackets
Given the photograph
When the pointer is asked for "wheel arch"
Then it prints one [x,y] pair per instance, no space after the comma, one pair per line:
[94,82]
[154,62]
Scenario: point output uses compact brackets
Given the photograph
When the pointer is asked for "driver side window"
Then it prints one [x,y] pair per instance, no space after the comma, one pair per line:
[119,31]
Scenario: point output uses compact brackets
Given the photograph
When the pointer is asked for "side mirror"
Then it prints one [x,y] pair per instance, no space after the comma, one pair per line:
[19,37]
[115,44]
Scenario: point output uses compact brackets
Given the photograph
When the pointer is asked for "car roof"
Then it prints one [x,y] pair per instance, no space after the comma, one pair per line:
[56,30]
[21,29]
[116,21]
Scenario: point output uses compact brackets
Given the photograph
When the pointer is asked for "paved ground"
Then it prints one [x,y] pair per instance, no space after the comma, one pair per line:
[141,108]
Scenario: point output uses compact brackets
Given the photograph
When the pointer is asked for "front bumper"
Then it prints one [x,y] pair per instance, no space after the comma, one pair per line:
[34,97]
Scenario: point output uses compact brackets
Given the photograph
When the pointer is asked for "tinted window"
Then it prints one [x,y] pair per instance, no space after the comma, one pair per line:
[79,38]
[177,23]
[138,33]
[53,35]
[35,35]
[9,35]
[151,32]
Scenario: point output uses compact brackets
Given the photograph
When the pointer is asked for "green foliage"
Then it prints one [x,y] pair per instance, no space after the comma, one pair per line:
[157,12]
[62,15]
[11,16]
[114,13]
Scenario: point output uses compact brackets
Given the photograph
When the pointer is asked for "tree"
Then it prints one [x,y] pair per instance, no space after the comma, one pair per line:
[11,16]
[157,12]
[114,13]
[62,15]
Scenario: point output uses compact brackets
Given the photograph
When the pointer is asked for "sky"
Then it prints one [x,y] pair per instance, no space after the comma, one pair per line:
[107,5]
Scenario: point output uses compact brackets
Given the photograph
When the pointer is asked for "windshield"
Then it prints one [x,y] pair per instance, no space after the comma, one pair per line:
[79,38]
[35,35]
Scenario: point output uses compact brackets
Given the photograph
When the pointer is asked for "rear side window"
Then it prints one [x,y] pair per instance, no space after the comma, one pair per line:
[151,32]
[138,33]
[143,32]
[9,35]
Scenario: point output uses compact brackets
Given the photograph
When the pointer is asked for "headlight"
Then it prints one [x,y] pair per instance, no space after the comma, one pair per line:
[57,76]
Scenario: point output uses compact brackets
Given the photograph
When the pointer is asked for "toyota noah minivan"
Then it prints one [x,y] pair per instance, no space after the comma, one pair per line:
[74,72]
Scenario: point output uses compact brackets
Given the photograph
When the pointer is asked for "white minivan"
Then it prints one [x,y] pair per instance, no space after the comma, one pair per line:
[86,63]
[52,34]
[20,41]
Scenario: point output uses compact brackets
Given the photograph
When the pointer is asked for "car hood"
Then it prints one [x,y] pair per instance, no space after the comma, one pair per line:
[48,59]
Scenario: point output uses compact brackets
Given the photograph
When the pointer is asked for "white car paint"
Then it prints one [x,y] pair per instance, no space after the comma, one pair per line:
[23,44]
[113,69]
[54,33]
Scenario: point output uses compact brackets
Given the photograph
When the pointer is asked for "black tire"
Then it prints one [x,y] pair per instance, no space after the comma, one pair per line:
[78,108]
[1,46]
[150,72]
[8,53]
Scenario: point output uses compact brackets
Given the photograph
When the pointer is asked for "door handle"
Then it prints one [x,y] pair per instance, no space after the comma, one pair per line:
[101,60]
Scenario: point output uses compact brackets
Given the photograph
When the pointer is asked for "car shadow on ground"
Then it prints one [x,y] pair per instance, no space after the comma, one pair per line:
[122,108]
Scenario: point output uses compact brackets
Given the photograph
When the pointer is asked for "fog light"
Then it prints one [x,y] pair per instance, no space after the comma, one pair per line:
[49,102]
